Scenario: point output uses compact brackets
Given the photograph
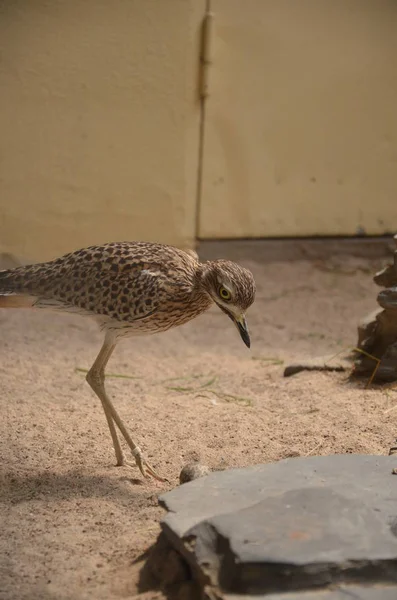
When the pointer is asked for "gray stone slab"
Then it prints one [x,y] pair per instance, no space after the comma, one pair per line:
[343,592]
[233,489]
[289,526]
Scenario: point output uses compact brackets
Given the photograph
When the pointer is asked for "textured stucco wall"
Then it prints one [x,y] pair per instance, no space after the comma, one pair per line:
[301,121]
[99,121]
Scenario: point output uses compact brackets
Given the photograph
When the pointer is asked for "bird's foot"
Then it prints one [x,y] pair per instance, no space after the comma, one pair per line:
[145,468]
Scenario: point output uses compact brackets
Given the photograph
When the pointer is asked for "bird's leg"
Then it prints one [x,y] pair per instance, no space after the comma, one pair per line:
[96,379]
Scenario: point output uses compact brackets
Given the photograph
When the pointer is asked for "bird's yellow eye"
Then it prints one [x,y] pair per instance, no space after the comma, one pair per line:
[224,294]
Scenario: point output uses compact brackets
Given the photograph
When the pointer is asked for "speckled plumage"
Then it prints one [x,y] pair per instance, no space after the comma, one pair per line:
[130,288]
[136,286]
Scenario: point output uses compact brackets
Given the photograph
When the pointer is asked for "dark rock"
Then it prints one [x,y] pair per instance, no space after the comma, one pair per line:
[292,526]
[379,347]
[387,277]
[376,357]
[367,327]
[377,334]
[388,298]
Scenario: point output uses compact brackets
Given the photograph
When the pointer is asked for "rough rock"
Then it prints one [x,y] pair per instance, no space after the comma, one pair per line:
[377,334]
[376,357]
[290,527]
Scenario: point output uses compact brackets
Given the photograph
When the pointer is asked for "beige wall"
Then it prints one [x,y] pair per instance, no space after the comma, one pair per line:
[301,120]
[99,122]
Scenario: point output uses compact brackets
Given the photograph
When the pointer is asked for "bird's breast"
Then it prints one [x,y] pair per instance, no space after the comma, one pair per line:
[164,316]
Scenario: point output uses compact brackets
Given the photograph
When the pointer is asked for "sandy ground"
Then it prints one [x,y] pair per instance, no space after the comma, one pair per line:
[72,524]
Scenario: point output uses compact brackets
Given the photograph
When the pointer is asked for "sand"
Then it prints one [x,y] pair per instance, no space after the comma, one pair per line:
[73,526]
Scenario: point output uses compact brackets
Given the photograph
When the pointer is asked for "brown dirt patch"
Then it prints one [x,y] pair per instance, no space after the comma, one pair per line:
[72,523]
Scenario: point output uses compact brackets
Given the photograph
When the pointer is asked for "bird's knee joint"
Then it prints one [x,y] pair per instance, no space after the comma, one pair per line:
[95,378]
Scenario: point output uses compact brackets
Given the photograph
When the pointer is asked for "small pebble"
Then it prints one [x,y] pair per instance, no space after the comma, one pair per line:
[193,471]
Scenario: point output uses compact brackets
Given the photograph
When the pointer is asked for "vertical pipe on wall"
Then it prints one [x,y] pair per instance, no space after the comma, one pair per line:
[206,59]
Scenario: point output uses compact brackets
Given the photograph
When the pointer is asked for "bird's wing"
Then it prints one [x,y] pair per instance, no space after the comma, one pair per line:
[132,292]
[124,287]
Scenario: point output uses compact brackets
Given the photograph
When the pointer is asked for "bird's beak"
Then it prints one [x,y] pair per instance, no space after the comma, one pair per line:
[242,327]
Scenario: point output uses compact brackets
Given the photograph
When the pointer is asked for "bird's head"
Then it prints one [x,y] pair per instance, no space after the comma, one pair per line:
[232,288]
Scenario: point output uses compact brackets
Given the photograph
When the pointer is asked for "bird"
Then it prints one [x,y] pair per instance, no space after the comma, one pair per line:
[130,289]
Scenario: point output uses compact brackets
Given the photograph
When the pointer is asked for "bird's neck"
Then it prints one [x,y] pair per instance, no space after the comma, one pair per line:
[201,290]
[207,275]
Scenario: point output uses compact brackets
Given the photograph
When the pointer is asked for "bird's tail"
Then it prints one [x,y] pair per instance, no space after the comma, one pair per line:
[14,288]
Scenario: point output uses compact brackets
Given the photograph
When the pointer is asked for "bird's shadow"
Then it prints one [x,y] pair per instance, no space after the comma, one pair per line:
[50,485]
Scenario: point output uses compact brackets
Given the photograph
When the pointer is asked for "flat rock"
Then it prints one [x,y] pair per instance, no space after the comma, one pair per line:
[342,592]
[288,527]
